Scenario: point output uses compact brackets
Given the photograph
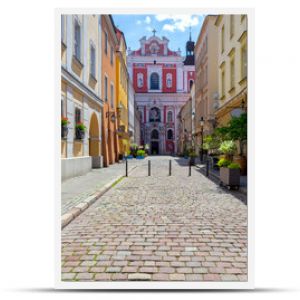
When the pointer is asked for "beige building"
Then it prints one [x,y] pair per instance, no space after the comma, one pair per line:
[206,78]
[81,104]
[185,128]
[232,67]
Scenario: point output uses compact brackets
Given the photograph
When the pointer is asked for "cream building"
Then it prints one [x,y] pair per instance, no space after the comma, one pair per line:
[185,138]
[232,67]
[81,93]
[206,79]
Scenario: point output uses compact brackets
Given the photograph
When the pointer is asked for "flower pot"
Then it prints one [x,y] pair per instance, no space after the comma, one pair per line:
[230,177]
[242,161]
[80,134]
[64,131]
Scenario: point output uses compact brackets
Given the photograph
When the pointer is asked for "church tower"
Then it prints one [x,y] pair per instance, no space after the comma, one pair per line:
[189,50]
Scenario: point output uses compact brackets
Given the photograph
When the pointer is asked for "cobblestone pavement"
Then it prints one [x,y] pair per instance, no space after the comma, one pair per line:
[159,228]
[75,190]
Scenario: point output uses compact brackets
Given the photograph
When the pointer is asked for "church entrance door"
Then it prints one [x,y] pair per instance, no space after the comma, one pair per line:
[154,147]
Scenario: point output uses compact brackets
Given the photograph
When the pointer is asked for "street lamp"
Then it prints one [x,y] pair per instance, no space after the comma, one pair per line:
[201,149]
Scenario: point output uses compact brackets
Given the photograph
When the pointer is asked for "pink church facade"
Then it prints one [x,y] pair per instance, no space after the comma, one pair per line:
[162,80]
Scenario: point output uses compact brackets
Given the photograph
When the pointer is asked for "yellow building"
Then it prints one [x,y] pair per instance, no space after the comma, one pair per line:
[81,104]
[232,67]
[122,93]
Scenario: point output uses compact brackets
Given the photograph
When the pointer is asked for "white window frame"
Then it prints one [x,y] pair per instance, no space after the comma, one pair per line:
[92,59]
[77,23]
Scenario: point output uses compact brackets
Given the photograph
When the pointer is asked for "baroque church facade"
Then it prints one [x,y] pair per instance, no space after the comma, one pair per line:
[162,80]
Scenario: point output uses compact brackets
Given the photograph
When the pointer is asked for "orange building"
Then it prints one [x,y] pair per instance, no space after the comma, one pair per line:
[110,143]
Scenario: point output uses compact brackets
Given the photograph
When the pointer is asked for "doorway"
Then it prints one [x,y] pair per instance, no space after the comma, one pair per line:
[154,147]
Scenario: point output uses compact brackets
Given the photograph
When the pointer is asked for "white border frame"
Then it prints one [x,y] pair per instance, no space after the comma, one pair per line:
[250,197]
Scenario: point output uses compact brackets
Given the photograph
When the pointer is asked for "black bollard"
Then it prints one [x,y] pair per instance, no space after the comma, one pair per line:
[207,168]
[190,168]
[149,167]
[126,167]
[170,167]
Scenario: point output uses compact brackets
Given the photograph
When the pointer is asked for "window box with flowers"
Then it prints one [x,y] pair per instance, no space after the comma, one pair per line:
[64,127]
[80,131]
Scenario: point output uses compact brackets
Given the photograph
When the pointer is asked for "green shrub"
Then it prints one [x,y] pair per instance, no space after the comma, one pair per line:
[234,166]
[80,126]
[192,154]
[228,147]
[140,153]
[223,162]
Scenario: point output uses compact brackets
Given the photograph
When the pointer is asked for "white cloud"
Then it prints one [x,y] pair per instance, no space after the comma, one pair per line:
[148,28]
[178,22]
[138,22]
[147,20]
[169,27]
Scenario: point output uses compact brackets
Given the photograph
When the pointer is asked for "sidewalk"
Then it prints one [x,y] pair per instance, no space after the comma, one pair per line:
[216,174]
[75,190]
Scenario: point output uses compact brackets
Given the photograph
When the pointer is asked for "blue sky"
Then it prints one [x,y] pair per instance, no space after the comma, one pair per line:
[175,27]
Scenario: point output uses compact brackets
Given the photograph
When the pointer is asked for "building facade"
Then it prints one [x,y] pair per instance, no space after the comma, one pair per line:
[81,101]
[162,79]
[232,67]
[131,111]
[122,93]
[109,42]
[206,79]
[185,140]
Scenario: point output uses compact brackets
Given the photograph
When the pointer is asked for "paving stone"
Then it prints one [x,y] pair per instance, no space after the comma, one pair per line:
[211,277]
[177,277]
[84,276]
[229,277]
[160,277]
[194,277]
[139,276]
[67,276]
[103,276]
[113,270]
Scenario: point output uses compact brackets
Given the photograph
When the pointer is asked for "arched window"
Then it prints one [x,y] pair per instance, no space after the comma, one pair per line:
[169,80]
[154,81]
[170,134]
[154,134]
[154,115]
[140,80]
[170,116]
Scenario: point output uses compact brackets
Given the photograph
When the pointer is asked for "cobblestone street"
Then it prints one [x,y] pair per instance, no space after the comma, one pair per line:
[159,228]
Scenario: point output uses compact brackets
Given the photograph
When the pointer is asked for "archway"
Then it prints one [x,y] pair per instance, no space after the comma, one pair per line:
[94,141]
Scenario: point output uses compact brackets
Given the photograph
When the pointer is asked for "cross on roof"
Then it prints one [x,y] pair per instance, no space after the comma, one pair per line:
[154,31]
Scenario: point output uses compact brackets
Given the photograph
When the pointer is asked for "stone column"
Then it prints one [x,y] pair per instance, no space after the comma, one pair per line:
[71,125]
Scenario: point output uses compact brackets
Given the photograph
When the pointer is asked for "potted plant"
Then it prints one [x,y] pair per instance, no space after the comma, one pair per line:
[140,154]
[192,156]
[237,131]
[129,155]
[229,173]
[80,131]
[133,149]
[64,127]
[228,148]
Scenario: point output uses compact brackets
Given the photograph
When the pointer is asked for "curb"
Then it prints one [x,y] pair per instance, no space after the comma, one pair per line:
[87,202]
